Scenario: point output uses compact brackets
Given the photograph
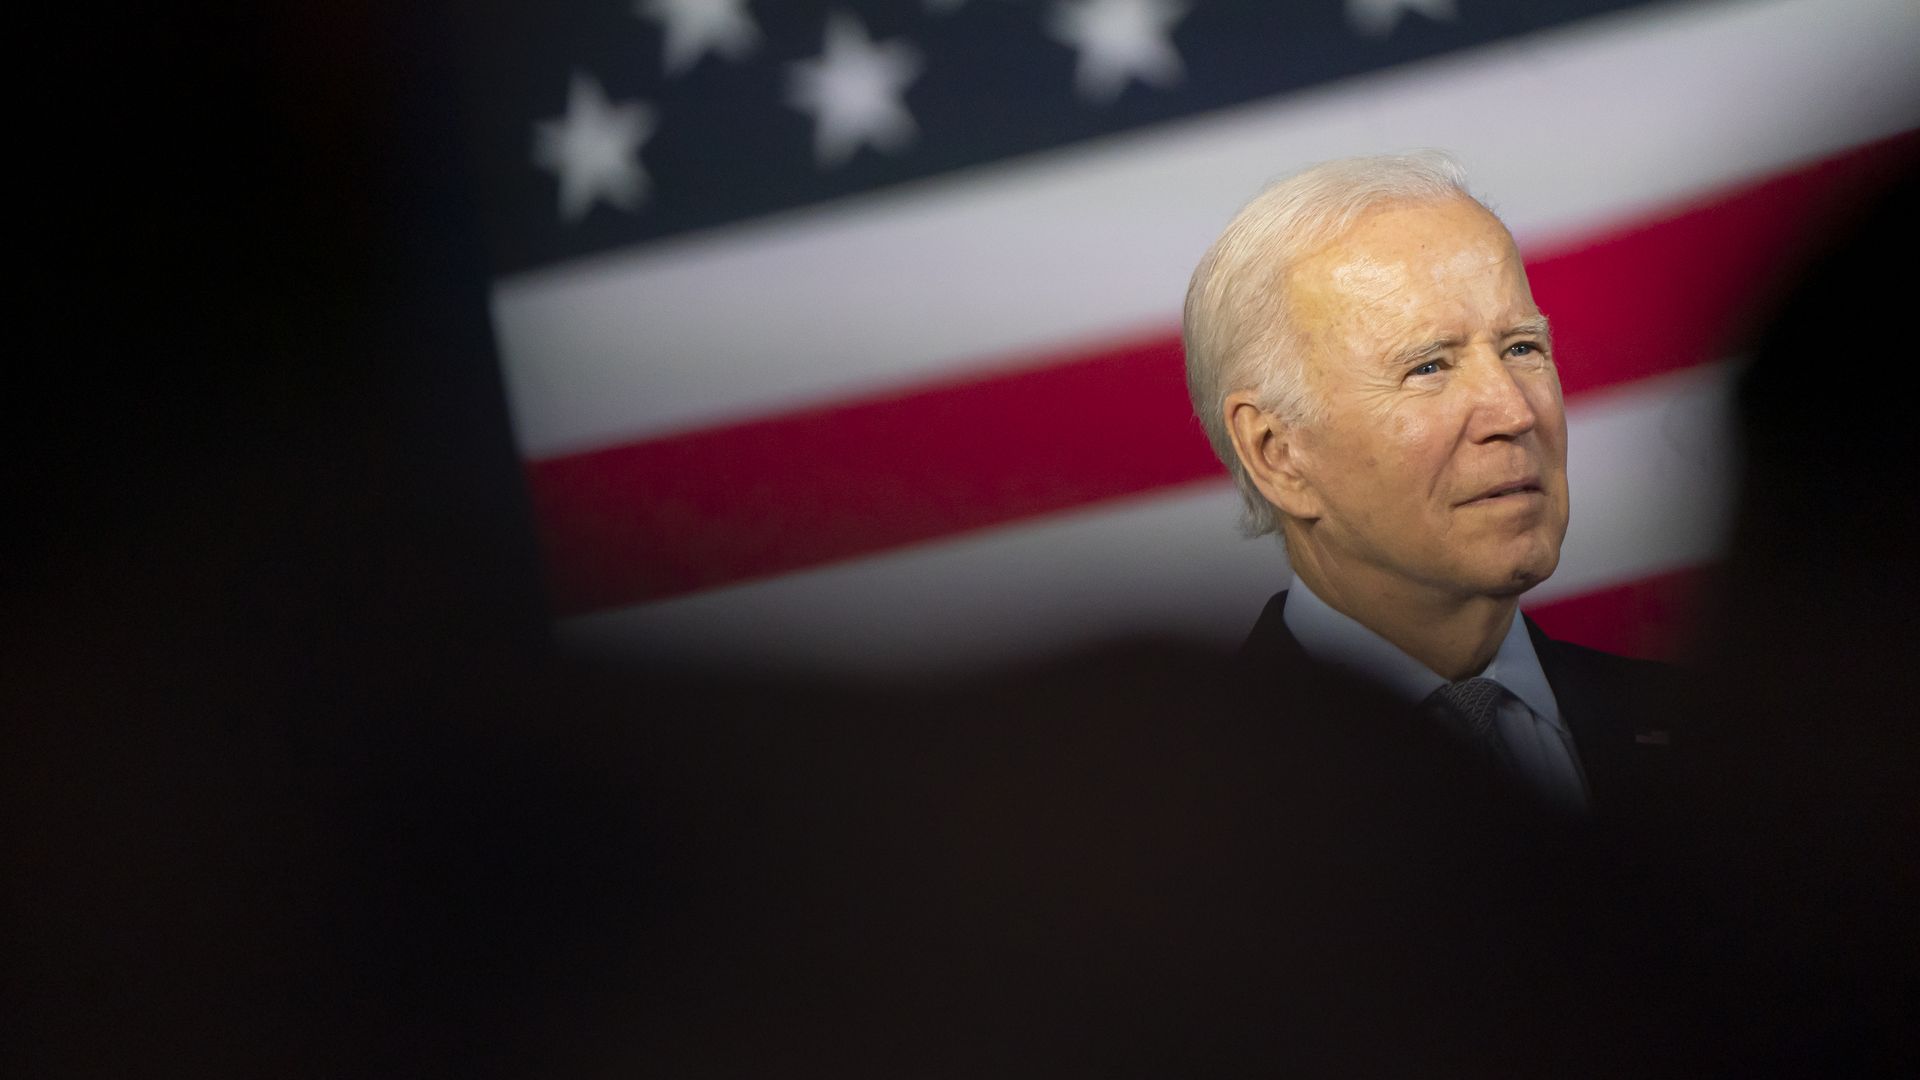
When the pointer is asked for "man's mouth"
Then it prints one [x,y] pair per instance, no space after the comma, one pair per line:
[1508,489]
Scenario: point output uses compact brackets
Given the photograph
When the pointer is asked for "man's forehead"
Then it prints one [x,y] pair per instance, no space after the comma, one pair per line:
[1389,244]
[1427,251]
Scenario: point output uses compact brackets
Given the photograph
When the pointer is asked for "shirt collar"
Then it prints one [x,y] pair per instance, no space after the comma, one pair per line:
[1333,638]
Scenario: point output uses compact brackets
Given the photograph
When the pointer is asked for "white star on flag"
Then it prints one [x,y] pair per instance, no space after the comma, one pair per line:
[698,27]
[595,149]
[1119,40]
[1377,18]
[853,91]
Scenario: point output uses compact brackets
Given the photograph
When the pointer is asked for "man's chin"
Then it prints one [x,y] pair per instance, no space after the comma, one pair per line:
[1518,576]
[1519,584]
[1525,577]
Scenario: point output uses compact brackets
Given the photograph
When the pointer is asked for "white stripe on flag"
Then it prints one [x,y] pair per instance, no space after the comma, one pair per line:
[1567,131]
[1649,471]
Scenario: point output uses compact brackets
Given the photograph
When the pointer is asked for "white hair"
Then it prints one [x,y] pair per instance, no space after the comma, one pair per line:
[1237,329]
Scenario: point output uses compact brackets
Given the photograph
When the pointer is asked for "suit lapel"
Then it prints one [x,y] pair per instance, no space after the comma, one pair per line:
[1271,641]
[1602,726]
[1600,698]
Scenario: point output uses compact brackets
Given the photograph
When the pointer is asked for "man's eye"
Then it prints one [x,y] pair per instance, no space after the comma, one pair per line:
[1429,368]
[1522,348]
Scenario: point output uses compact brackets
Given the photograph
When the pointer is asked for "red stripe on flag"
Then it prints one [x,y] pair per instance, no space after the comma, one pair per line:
[1654,617]
[706,508]
[723,504]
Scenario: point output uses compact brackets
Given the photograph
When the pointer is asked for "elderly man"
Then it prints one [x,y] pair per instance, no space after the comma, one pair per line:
[1368,361]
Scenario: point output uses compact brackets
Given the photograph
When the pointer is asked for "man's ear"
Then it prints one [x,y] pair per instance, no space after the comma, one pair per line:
[1265,445]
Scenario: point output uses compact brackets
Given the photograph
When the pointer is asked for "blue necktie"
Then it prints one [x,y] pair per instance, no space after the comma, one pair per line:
[1545,766]
[1469,709]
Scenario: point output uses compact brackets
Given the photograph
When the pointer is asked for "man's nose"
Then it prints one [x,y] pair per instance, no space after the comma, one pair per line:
[1501,408]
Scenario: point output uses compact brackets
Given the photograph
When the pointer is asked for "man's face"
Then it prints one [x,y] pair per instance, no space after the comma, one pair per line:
[1440,461]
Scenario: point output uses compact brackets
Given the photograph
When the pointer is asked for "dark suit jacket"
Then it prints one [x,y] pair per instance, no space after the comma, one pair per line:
[1619,709]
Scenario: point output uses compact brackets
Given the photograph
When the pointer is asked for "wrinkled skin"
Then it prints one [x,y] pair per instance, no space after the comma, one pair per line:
[1435,479]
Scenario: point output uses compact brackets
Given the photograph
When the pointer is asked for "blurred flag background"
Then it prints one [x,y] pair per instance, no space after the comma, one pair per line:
[845,336]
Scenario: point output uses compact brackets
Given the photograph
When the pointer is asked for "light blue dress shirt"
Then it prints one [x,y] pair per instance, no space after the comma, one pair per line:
[1529,723]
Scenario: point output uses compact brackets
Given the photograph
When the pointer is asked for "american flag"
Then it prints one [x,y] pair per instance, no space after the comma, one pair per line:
[844,336]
